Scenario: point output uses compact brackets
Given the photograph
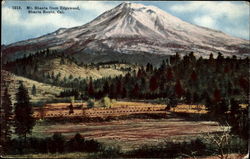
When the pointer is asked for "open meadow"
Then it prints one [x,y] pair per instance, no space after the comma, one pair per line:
[129,133]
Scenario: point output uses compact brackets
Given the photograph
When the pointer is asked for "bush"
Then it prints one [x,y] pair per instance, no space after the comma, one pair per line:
[57,143]
[90,103]
[79,144]
[171,149]
[54,144]
[110,152]
[76,144]
[197,147]
[106,102]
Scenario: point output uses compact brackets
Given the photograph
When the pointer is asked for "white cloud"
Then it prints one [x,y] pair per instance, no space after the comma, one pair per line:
[206,21]
[217,14]
[56,20]
[13,17]
[10,16]
[215,9]
[94,6]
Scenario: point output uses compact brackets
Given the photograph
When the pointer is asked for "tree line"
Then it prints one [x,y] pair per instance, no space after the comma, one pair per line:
[19,117]
[221,83]
[187,80]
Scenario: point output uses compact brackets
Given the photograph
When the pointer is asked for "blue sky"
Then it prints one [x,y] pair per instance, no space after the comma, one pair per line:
[231,17]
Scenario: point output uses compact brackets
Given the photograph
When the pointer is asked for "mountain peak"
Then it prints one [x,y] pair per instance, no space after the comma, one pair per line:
[131,5]
[131,28]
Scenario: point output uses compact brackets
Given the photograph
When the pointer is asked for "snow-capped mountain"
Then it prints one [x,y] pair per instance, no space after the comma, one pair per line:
[133,28]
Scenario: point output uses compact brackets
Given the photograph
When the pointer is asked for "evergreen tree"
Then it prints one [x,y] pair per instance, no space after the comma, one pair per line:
[153,83]
[118,88]
[163,66]
[90,88]
[235,107]
[194,76]
[173,102]
[188,97]
[221,107]
[71,108]
[135,91]
[6,122]
[217,96]
[124,93]
[211,57]
[106,88]
[220,57]
[177,57]
[169,74]
[149,68]
[178,89]
[209,104]
[33,90]
[62,62]
[23,121]
[112,93]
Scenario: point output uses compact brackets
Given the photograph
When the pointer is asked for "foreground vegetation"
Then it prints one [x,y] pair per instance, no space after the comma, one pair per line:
[57,146]
[221,84]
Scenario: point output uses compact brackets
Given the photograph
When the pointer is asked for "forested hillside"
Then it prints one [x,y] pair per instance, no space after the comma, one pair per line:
[220,83]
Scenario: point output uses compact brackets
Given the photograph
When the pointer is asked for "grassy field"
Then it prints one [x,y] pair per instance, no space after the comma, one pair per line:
[129,133]
[68,69]
[126,133]
[44,92]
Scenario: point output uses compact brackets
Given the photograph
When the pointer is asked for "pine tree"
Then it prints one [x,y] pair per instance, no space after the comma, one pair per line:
[149,68]
[178,89]
[188,97]
[90,88]
[118,88]
[217,96]
[153,83]
[23,121]
[6,122]
[62,62]
[124,93]
[71,108]
[169,74]
[135,91]
[106,88]
[173,101]
[112,91]
[33,90]
[193,76]
[235,107]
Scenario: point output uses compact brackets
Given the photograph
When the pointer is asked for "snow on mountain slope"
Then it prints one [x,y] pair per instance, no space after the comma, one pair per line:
[132,28]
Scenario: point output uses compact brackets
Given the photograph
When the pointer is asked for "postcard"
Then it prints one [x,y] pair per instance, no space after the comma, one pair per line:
[125,79]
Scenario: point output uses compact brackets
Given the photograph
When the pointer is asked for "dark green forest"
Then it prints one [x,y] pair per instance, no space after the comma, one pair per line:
[221,83]
[188,79]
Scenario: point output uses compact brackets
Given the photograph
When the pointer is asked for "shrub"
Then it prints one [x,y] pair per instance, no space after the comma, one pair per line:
[106,102]
[110,152]
[90,103]
[56,143]
[79,144]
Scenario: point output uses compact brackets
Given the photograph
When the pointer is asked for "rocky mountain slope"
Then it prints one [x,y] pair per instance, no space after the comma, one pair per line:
[132,30]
